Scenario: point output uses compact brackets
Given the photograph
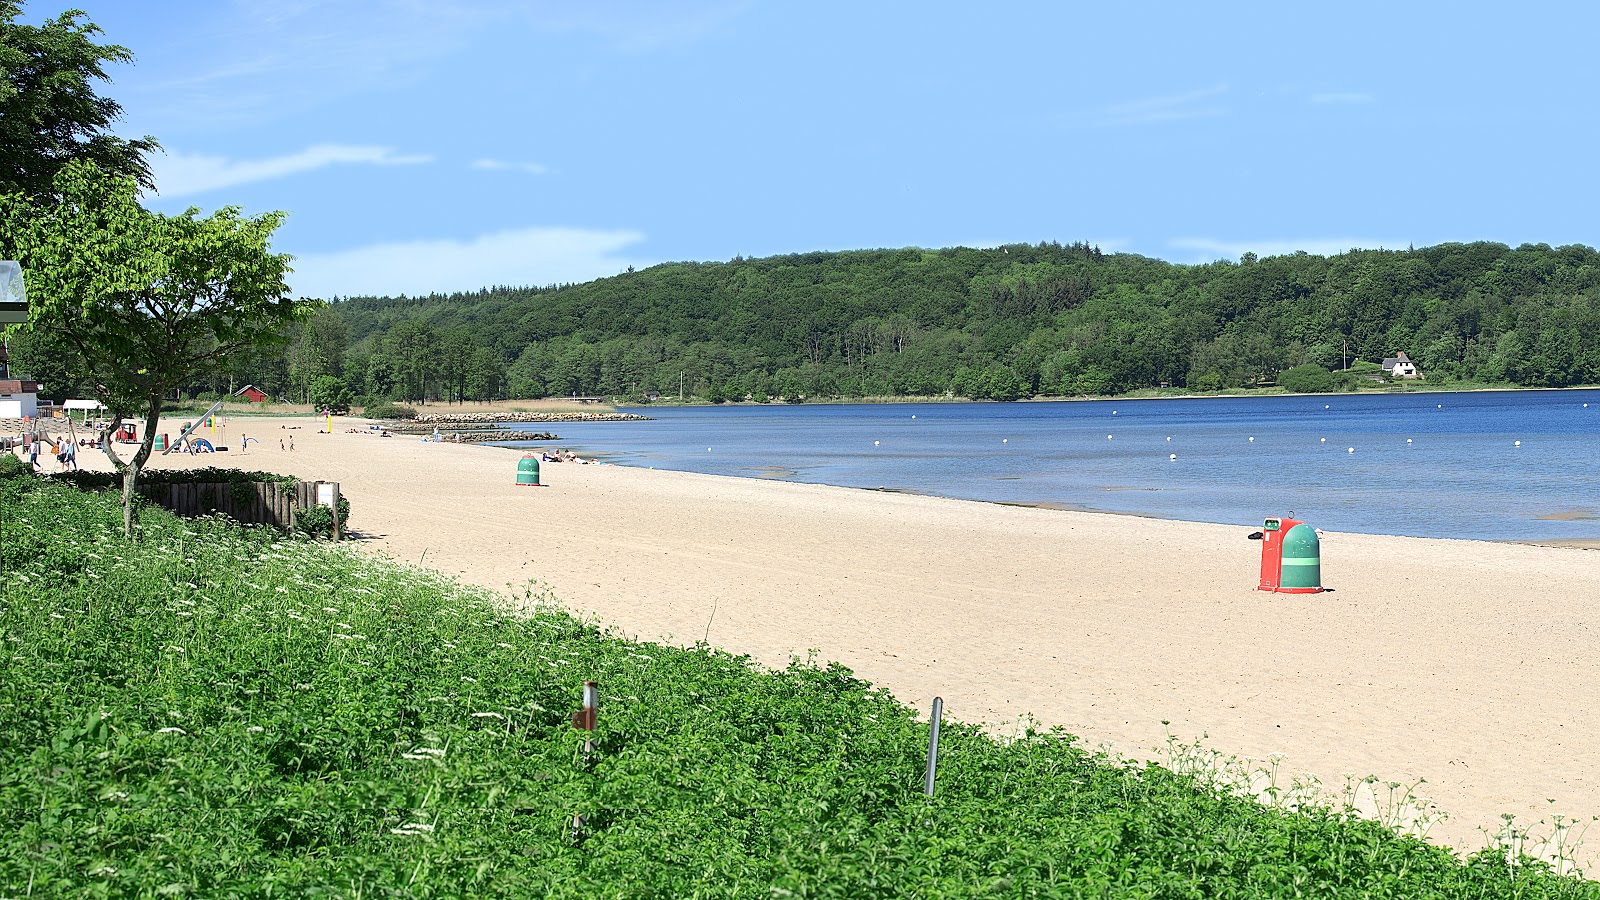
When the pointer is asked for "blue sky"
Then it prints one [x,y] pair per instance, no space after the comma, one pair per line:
[436,145]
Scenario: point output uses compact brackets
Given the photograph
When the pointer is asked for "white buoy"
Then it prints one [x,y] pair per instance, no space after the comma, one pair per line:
[1516,443]
[1005,440]
[1326,406]
[1441,406]
[913,415]
[874,443]
[1351,450]
[1252,440]
[708,449]
[1169,438]
[1324,440]
[1172,456]
[1108,437]
[1408,440]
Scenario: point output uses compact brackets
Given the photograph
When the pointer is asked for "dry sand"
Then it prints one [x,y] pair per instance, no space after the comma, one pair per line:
[1469,664]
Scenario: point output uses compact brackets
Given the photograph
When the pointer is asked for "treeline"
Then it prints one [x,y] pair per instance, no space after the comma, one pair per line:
[1002,323]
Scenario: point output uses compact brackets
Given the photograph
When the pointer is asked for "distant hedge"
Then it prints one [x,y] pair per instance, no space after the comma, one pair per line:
[389,411]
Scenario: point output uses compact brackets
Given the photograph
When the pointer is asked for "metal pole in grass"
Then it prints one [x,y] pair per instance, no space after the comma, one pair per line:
[586,719]
[933,745]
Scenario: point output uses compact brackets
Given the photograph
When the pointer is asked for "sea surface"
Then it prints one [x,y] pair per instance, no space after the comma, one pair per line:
[1430,464]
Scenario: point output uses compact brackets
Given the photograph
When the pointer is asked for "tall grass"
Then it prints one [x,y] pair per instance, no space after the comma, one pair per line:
[221,711]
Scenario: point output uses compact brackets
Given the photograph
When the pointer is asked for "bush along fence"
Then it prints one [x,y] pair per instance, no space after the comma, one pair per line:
[315,508]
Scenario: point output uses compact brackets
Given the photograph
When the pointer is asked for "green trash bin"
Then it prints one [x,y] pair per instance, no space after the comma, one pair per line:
[1302,561]
[161,442]
[528,470]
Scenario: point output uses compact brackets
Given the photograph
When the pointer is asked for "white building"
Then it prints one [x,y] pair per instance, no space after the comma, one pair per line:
[19,399]
[1400,366]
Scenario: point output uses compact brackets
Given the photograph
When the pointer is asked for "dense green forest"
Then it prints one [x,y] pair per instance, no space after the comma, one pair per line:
[1002,323]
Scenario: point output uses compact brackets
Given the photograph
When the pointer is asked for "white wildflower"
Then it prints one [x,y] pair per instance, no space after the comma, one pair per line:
[171,730]
[488,715]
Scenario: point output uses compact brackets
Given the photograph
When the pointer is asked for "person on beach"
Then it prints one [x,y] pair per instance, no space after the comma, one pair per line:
[291,443]
[280,443]
[33,454]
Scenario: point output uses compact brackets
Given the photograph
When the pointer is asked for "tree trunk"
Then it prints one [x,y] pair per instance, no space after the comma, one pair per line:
[130,475]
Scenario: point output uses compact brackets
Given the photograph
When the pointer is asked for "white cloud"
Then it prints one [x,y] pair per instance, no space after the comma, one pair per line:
[1208,250]
[182,174]
[1196,104]
[497,165]
[1343,97]
[526,256]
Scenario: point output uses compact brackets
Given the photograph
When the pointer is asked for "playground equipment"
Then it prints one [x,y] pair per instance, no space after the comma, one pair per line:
[192,445]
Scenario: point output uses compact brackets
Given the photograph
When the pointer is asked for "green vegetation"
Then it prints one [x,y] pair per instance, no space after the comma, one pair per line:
[218,711]
[50,114]
[389,411]
[145,302]
[315,521]
[1005,323]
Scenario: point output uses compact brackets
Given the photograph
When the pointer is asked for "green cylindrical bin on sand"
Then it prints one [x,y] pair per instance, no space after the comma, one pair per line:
[1302,561]
[528,471]
[161,442]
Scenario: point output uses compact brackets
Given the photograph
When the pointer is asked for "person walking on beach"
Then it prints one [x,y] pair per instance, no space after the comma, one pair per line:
[33,453]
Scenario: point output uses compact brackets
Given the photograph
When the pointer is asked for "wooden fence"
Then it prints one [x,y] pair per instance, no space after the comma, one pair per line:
[254,503]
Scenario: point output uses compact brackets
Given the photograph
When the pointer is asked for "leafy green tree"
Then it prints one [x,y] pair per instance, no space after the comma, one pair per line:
[148,301]
[317,348]
[50,114]
[330,394]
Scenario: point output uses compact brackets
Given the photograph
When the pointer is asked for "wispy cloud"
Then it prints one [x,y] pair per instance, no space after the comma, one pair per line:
[1196,104]
[1343,97]
[250,61]
[526,256]
[183,174]
[1208,250]
[498,165]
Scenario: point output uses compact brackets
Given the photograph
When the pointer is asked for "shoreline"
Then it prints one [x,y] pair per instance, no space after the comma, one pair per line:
[1463,662]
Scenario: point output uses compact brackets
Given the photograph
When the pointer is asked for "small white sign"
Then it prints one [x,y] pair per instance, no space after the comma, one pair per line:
[324,494]
[13,294]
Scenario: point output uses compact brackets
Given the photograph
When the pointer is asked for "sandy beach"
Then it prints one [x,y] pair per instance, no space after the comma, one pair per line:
[1468,664]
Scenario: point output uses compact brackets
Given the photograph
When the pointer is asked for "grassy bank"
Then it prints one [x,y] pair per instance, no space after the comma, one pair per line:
[221,711]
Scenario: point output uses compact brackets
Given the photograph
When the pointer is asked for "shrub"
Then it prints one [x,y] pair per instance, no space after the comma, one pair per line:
[389,411]
[1308,379]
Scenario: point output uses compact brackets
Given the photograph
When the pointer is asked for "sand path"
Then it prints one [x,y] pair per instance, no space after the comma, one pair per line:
[1469,664]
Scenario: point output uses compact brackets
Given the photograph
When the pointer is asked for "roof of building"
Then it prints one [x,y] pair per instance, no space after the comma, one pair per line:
[19,387]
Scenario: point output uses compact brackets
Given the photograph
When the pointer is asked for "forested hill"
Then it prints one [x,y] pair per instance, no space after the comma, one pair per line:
[1004,322]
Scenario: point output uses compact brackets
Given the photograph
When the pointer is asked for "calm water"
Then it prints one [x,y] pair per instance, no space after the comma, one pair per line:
[1436,465]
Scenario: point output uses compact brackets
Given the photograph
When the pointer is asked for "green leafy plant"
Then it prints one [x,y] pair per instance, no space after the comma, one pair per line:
[222,711]
[389,411]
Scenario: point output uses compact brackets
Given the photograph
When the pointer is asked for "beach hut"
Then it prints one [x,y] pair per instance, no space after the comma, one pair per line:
[254,395]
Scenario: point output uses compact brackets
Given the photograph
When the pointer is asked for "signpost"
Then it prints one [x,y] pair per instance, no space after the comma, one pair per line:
[13,296]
